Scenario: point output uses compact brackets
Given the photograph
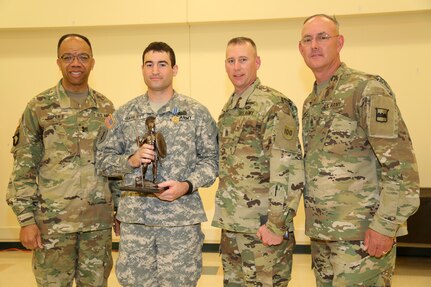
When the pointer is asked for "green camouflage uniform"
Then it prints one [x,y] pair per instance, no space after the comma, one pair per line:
[261,177]
[191,139]
[53,183]
[360,166]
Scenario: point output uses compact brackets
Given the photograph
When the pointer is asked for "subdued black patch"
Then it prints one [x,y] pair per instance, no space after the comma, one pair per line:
[15,139]
[382,115]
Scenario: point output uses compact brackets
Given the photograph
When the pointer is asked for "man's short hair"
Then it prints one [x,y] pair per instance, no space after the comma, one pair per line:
[241,41]
[62,38]
[332,18]
[160,47]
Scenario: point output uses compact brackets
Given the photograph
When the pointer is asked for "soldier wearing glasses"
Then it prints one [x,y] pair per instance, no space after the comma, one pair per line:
[362,180]
[64,209]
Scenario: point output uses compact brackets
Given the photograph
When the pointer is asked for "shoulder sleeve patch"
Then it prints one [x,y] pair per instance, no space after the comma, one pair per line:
[101,135]
[286,133]
[16,138]
[383,118]
[109,121]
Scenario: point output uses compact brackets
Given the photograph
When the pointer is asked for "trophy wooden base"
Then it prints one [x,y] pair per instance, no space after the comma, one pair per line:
[149,187]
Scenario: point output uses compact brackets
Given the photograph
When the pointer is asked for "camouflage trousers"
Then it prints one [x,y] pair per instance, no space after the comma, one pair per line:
[84,256]
[159,256]
[345,263]
[247,262]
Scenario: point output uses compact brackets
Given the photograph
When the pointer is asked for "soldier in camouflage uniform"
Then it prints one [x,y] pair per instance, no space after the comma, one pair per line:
[261,175]
[161,238]
[64,209]
[361,176]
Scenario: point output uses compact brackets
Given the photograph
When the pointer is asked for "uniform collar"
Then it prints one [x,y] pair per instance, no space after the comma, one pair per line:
[341,70]
[337,75]
[168,107]
[243,97]
[65,101]
[331,84]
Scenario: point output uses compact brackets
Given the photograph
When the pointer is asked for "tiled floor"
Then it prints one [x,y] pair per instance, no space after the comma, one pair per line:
[15,271]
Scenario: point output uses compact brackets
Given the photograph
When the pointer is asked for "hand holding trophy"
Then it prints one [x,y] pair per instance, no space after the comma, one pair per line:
[156,139]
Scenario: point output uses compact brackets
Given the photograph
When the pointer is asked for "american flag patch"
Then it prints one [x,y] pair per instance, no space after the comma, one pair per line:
[109,121]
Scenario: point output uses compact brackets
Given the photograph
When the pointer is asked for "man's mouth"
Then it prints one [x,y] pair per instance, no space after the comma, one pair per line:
[76,73]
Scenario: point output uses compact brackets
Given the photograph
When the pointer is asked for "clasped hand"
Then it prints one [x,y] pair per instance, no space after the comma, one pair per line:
[268,238]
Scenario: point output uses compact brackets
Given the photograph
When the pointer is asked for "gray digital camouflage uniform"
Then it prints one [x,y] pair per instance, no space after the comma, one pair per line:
[360,166]
[54,183]
[261,171]
[191,139]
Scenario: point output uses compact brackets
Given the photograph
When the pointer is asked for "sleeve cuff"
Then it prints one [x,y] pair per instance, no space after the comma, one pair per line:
[274,229]
[26,219]
[190,190]
[384,227]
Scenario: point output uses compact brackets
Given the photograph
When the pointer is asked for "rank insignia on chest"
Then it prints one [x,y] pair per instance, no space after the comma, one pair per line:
[245,113]
[382,115]
[225,132]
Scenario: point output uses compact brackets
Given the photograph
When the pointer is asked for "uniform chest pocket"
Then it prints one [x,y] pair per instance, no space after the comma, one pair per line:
[343,136]
[248,131]
[55,137]
[237,131]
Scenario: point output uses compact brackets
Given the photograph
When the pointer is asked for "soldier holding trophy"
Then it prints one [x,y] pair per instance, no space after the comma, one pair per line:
[161,237]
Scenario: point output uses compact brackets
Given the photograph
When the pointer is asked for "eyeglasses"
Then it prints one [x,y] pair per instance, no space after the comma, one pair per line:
[320,38]
[83,58]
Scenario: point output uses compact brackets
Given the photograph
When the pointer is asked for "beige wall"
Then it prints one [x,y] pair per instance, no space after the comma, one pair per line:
[392,39]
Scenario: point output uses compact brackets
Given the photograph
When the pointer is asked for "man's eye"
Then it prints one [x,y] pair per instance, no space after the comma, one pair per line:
[230,61]
[67,58]
[84,57]
[242,60]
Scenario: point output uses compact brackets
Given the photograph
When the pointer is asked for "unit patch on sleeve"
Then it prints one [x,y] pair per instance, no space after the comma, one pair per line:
[16,138]
[382,115]
[285,136]
[383,118]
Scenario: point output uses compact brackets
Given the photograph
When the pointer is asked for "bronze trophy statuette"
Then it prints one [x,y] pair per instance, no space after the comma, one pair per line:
[156,139]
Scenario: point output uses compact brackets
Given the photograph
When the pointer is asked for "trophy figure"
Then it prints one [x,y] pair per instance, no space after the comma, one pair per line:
[156,139]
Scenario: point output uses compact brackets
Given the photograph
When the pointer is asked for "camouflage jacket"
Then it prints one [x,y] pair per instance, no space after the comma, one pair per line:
[53,183]
[359,162]
[261,167]
[191,140]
